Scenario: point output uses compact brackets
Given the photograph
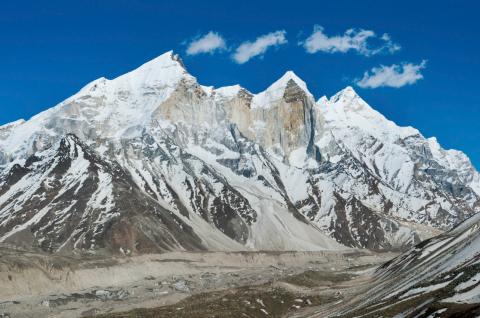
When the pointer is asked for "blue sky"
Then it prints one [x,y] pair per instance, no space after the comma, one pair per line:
[50,49]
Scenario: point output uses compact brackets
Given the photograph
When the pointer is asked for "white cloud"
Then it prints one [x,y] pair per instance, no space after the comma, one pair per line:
[353,39]
[209,43]
[392,76]
[247,50]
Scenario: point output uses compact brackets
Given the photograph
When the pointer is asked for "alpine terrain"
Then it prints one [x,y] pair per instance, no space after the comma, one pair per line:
[153,161]
[440,277]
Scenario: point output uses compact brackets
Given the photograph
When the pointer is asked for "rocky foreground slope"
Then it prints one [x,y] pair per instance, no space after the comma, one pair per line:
[439,277]
[153,161]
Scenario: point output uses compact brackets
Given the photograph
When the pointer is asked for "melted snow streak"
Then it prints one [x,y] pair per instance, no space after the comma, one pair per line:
[152,160]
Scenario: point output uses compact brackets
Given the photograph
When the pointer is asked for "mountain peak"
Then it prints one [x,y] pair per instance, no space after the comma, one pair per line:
[164,70]
[166,59]
[283,81]
[291,75]
[275,91]
[347,109]
[348,93]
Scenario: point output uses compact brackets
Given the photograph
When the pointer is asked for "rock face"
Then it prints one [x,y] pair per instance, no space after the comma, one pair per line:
[154,161]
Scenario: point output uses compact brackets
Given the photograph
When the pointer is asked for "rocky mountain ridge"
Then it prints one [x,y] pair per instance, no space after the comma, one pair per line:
[223,169]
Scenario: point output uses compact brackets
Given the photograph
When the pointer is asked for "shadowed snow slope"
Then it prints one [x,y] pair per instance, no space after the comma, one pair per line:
[156,161]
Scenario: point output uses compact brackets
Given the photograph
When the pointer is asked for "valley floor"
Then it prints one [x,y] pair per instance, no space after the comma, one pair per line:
[181,284]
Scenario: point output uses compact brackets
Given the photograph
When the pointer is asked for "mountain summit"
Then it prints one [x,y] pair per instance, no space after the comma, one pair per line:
[277,90]
[154,161]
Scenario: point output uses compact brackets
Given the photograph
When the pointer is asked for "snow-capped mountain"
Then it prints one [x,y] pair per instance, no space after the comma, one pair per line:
[152,160]
[439,277]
